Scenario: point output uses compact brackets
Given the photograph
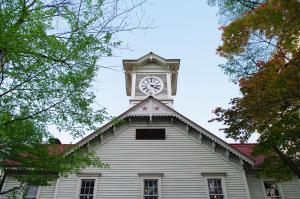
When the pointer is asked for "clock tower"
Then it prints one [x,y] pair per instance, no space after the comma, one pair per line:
[151,75]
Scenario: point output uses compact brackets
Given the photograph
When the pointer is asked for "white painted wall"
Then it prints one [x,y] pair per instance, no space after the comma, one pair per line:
[289,190]
[180,158]
[46,192]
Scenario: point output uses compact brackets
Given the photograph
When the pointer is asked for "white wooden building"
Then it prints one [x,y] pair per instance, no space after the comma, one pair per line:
[157,153]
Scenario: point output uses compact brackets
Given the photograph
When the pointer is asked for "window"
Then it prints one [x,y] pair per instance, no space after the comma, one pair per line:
[151,189]
[31,192]
[272,190]
[151,185]
[150,134]
[87,189]
[215,190]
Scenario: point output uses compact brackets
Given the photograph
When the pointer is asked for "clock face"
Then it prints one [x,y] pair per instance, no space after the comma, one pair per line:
[151,85]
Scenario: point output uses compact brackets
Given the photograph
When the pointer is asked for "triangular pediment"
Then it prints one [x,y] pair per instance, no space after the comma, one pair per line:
[152,107]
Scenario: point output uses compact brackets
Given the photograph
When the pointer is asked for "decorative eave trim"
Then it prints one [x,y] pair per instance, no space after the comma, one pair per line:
[172,113]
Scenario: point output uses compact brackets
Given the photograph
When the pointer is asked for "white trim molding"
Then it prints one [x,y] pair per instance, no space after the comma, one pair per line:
[56,187]
[4,184]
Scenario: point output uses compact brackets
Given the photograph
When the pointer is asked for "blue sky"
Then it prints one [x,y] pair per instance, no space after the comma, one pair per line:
[187,30]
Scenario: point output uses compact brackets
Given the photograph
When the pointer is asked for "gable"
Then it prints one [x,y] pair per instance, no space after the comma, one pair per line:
[153,110]
[181,160]
[178,149]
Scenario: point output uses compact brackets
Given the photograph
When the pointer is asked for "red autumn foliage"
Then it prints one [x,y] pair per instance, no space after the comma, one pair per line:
[242,82]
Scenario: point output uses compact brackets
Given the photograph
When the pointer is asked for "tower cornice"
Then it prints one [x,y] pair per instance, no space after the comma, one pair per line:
[132,66]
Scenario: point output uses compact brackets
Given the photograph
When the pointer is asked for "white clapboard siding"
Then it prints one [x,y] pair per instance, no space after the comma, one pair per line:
[289,190]
[67,187]
[45,192]
[255,187]
[10,182]
[180,158]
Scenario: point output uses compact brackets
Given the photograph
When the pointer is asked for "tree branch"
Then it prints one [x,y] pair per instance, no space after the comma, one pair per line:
[288,161]
[12,189]
[36,113]
[247,3]
[2,66]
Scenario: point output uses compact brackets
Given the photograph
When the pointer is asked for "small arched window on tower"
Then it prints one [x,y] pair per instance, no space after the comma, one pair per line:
[150,134]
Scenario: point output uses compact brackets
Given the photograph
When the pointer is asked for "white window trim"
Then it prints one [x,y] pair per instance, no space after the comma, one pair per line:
[56,187]
[150,177]
[278,185]
[223,183]
[4,184]
[79,185]
[38,192]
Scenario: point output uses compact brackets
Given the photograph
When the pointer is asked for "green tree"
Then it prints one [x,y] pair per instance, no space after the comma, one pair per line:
[49,57]
[37,162]
[261,42]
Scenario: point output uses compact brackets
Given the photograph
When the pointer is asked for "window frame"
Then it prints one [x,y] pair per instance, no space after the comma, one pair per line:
[86,178]
[277,184]
[150,177]
[223,184]
[37,193]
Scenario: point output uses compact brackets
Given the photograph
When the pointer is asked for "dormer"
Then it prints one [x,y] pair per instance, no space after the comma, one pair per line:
[151,75]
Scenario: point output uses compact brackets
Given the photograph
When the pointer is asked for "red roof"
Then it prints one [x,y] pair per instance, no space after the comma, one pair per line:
[247,149]
[59,148]
[52,149]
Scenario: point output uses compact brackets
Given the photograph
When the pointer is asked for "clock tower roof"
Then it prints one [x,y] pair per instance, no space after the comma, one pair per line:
[168,65]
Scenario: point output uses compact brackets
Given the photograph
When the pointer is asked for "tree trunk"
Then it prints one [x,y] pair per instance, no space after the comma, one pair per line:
[288,161]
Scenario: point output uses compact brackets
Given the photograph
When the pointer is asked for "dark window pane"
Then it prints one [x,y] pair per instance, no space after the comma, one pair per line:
[271,189]
[215,186]
[85,197]
[216,197]
[150,189]
[155,191]
[87,189]
[150,134]
[151,197]
[31,192]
